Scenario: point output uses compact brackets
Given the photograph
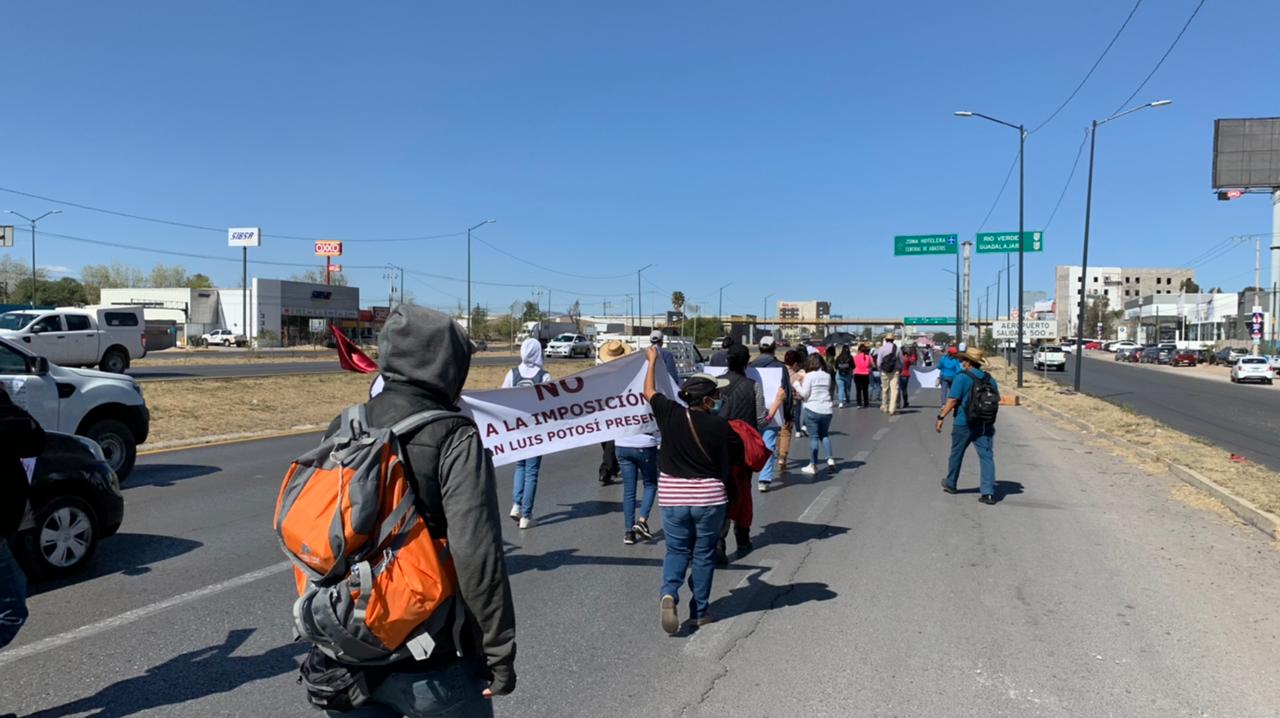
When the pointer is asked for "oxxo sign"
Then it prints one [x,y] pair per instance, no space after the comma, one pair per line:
[329,248]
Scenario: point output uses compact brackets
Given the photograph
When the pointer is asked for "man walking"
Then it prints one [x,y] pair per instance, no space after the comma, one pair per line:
[889,361]
[656,338]
[425,357]
[778,439]
[974,398]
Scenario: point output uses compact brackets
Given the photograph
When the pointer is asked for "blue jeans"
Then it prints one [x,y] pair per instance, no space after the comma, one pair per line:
[525,486]
[876,388]
[902,390]
[819,426]
[982,437]
[691,533]
[643,462]
[451,692]
[845,383]
[770,436]
[944,386]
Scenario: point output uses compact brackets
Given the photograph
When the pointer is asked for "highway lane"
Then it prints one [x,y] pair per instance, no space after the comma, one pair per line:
[1241,418]
[232,370]
[870,593]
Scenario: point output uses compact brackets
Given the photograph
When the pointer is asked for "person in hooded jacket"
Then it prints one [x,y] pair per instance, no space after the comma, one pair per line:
[743,400]
[425,358]
[525,485]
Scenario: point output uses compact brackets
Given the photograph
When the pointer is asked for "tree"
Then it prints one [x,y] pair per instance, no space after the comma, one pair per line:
[1189,286]
[316,276]
[677,301]
[479,320]
[95,277]
[65,292]
[532,312]
[167,276]
[12,274]
[941,337]
[199,281]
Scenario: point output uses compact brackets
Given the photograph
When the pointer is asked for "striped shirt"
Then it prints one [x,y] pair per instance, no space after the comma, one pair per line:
[675,491]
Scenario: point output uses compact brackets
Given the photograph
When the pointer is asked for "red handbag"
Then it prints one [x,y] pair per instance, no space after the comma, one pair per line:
[755,454]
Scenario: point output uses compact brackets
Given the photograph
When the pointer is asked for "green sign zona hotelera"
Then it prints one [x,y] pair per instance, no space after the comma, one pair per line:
[909,244]
[999,242]
[929,321]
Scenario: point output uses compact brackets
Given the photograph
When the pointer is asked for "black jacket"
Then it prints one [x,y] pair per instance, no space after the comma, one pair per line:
[20,437]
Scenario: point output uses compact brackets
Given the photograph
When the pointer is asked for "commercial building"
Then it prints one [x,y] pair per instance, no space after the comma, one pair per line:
[801,311]
[1219,318]
[281,312]
[1117,285]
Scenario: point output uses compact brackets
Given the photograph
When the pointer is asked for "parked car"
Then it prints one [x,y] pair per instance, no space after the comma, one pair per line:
[1229,355]
[1049,357]
[1093,346]
[1184,357]
[107,408]
[224,337]
[75,503]
[689,360]
[1202,355]
[1149,355]
[1122,344]
[106,337]
[1274,360]
[569,345]
[1252,368]
[1128,354]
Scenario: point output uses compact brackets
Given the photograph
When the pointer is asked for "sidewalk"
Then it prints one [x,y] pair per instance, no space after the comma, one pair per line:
[1089,590]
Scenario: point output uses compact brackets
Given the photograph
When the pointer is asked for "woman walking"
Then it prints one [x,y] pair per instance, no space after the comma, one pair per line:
[698,449]
[815,389]
[909,358]
[637,456]
[525,486]
[862,365]
[844,375]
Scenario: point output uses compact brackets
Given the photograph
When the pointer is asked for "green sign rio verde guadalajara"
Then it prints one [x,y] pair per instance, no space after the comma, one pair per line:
[1000,242]
[910,244]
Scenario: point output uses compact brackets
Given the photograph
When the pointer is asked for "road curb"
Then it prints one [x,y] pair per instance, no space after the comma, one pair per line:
[1261,519]
[165,447]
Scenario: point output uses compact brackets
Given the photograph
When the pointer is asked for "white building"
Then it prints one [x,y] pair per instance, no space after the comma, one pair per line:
[193,311]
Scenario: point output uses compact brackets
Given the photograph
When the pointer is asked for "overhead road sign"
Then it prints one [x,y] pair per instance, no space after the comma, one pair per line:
[1031,330]
[1246,153]
[910,244]
[6,235]
[928,321]
[1004,242]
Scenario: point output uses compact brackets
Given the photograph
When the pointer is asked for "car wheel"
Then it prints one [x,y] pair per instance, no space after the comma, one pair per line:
[118,445]
[115,361]
[64,538]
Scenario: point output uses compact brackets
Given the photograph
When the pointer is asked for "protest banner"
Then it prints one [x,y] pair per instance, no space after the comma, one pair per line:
[770,378]
[924,378]
[583,409]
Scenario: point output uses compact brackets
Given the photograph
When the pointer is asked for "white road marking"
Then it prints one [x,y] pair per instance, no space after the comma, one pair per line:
[137,614]
[861,456]
[820,503]
[880,434]
[894,419]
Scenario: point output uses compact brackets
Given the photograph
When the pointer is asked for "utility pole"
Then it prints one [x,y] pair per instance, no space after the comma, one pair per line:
[640,293]
[959,313]
[1275,265]
[1257,284]
[469,229]
[35,287]
[968,248]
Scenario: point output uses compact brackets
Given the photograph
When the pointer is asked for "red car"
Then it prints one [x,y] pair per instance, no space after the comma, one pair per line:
[1184,357]
[1094,346]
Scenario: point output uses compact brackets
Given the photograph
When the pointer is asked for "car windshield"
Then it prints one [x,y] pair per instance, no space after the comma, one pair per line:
[1253,360]
[16,320]
[565,338]
[1051,350]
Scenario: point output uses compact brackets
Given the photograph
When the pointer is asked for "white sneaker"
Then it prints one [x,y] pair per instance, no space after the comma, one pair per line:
[515,512]
[831,462]
[764,487]
[526,523]
[810,469]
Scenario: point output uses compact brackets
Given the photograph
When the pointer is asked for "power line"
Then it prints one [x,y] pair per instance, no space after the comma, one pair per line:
[1125,104]
[1001,192]
[220,230]
[504,252]
[1070,175]
[1091,69]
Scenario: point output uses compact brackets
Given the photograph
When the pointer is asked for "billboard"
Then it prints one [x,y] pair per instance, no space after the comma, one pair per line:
[244,237]
[329,248]
[1246,153]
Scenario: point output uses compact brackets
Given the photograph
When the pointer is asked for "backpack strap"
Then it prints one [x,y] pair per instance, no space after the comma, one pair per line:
[414,422]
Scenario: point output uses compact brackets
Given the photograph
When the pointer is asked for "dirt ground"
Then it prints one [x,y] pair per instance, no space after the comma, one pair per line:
[206,409]
[192,357]
[1247,480]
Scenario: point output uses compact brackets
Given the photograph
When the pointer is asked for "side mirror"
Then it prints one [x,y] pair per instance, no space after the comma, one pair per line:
[36,328]
[39,366]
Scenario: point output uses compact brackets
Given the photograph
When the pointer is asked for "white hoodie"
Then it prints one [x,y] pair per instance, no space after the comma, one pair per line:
[530,363]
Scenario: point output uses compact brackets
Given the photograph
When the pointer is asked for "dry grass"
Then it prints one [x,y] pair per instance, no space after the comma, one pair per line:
[204,409]
[1200,499]
[1247,480]
[191,357]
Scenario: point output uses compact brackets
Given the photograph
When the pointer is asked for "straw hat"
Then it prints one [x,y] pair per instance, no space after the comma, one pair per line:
[889,337]
[614,349]
[974,356]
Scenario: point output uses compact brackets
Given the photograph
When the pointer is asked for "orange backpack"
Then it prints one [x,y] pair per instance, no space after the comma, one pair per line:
[373,583]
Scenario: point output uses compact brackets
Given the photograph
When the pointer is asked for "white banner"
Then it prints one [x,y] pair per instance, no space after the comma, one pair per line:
[923,378]
[770,379]
[592,406]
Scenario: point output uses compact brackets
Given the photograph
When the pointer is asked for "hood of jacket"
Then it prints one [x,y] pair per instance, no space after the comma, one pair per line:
[426,350]
[531,356]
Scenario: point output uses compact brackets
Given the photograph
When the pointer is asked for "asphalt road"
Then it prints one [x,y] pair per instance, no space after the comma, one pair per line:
[1241,418]
[1086,591]
[231,370]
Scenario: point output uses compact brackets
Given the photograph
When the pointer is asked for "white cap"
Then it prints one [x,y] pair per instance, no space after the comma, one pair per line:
[963,347]
[767,341]
[655,336]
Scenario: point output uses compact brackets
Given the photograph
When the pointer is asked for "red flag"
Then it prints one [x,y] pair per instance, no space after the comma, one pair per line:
[350,356]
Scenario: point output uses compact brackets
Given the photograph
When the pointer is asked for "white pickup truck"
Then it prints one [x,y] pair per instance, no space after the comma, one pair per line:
[107,408]
[106,337]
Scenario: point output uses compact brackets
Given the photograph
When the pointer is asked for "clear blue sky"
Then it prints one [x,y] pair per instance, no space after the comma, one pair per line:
[775,146]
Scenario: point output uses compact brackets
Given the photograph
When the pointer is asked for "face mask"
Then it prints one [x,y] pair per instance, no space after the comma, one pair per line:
[715,406]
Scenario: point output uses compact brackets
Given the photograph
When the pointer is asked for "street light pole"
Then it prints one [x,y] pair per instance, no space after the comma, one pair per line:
[640,296]
[469,230]
[34,285]
[766,312]
[1088,212]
